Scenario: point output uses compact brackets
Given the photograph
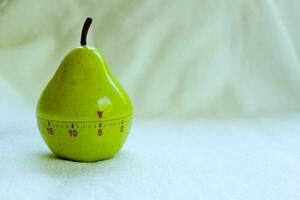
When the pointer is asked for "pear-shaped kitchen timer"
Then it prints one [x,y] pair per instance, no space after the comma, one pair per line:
[84,114]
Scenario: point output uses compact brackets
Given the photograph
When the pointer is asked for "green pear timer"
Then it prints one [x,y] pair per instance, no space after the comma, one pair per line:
[84,114]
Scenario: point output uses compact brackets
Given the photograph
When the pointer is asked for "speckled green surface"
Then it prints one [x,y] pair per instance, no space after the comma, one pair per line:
[81,87]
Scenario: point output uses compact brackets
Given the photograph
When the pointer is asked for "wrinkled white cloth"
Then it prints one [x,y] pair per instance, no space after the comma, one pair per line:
[194,58]
[214,160]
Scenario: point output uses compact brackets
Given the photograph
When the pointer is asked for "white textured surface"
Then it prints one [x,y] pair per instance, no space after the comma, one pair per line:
[229,159]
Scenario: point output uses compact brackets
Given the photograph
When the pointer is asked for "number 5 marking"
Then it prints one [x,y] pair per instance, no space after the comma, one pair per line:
[100,132]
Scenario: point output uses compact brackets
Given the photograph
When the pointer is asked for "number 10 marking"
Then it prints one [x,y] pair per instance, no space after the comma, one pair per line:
[73,133]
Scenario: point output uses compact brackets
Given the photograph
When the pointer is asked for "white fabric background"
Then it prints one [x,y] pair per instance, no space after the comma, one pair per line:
[206,58]
[189,60]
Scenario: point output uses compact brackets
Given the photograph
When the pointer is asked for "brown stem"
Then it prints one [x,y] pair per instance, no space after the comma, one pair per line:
[85,30]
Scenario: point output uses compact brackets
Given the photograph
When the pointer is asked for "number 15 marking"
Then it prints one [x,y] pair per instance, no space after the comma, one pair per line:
[50,131]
